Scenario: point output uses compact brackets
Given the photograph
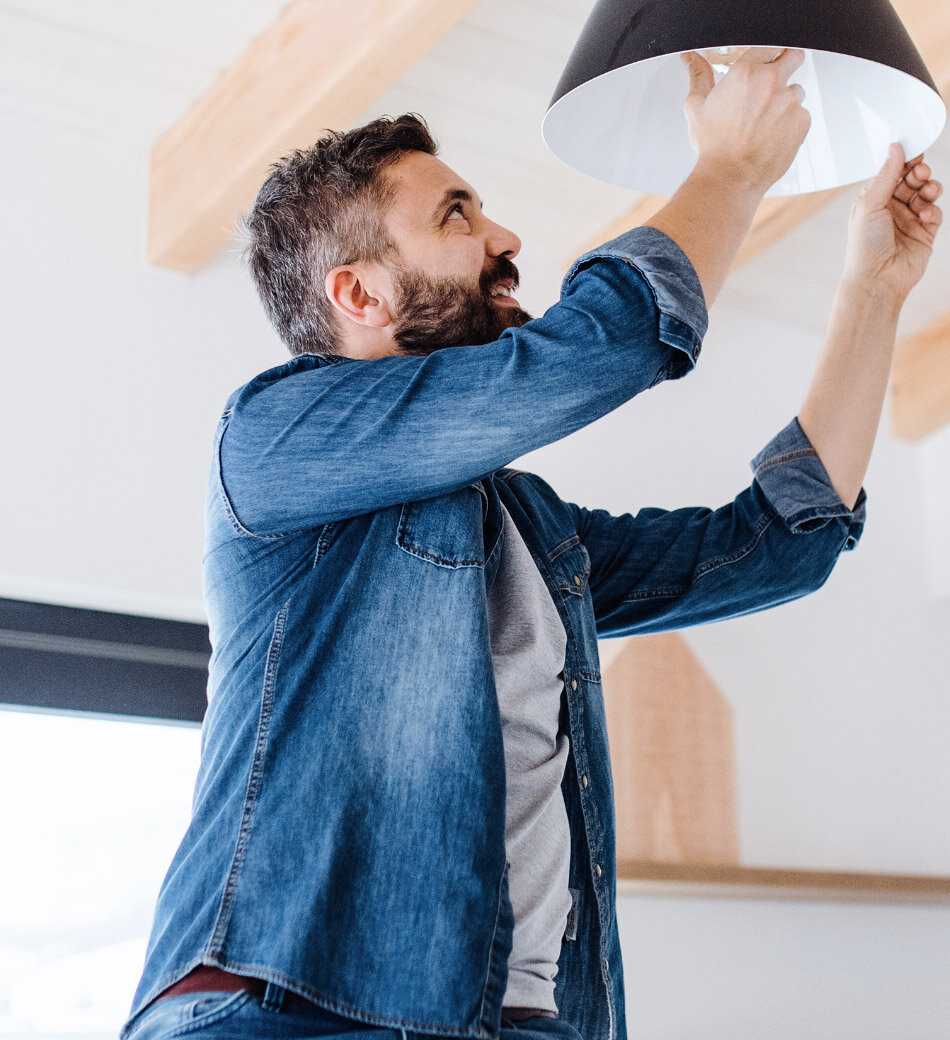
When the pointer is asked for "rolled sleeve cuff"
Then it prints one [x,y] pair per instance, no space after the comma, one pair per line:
[797,486]
[675,285]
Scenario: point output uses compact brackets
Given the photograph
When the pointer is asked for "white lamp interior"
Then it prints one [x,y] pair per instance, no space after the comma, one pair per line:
[627,126]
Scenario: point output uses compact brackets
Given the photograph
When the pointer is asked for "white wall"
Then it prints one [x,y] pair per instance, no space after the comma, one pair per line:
[115,376]
[706,969]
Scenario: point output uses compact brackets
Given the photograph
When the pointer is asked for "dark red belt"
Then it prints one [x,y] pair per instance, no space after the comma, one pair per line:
[516,1014]
[208,977]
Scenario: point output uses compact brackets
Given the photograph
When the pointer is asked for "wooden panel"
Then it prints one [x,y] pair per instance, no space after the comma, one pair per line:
[727,881]
[774,219]
[920,382]
[319,65]
[929,26]
[672,755]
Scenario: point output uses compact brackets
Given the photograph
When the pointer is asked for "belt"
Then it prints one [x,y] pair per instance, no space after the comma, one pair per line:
[516,1014]
[209,977]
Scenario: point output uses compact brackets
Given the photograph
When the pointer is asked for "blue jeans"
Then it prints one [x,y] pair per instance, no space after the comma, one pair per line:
[221,1015]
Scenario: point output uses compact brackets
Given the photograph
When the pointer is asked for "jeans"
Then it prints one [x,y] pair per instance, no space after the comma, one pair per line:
[220,1015]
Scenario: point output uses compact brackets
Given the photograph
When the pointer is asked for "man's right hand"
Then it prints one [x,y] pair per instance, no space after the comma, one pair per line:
[751,124]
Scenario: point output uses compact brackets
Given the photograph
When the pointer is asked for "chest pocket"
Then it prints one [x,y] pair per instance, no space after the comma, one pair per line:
[570,566]
[447,531]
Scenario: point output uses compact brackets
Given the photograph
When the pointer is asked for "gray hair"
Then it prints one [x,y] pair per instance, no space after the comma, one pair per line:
[318,209]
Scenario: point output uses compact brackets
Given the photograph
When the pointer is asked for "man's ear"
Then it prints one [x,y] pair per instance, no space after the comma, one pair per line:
[360,295]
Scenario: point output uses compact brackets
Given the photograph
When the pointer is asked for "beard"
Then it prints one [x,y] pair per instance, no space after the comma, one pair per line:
[432,313]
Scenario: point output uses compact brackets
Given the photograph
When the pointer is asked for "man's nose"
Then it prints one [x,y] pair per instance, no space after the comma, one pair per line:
[502,242]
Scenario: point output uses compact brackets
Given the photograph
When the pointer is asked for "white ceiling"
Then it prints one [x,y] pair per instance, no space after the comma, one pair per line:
[117,70]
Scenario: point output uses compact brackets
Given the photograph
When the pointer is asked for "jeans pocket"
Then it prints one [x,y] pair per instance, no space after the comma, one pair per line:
[202,1010]
[157,1017]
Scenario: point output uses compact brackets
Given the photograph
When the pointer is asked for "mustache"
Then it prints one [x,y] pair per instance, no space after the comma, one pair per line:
[503,270]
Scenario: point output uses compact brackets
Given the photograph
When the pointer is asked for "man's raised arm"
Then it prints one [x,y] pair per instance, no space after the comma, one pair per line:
[747,130]
[310,442]
[316,440]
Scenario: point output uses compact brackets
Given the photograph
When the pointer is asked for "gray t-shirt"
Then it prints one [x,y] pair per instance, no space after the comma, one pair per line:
[528,645]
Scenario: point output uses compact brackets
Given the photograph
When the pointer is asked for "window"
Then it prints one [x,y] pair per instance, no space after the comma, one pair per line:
[94,808]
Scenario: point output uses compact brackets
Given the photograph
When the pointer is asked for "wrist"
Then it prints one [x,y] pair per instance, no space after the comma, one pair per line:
[867,291]
[736,178]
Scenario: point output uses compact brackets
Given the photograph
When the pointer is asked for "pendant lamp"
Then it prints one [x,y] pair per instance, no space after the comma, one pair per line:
[617,112]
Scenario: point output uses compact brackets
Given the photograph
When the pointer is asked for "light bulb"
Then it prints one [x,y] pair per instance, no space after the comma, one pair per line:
[723,58]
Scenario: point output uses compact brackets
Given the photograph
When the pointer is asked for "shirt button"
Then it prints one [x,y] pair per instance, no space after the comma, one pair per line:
[584,780]
[577,579]
[573,684]
[597,870]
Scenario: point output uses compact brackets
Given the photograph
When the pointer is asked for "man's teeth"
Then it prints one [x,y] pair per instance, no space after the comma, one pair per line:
[503,291]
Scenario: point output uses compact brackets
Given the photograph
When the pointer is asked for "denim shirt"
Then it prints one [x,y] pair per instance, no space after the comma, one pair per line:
[347,838]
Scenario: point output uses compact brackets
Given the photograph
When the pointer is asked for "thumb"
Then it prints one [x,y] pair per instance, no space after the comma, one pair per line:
[701,76]
[878,191]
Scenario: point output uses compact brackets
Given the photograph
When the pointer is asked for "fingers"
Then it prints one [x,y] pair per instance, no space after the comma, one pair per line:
[926,211]
[701,76]
[919,193]
[792,58]
[923,202]
[881,189]
[916,175]
[914,161]
[909,191]
[915,227]
[917,190]
[914,230]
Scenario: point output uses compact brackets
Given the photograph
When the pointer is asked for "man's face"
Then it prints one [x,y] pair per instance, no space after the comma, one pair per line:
[452,261]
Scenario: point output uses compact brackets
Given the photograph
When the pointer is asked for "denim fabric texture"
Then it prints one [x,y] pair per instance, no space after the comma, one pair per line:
[215,1015]
[348,818]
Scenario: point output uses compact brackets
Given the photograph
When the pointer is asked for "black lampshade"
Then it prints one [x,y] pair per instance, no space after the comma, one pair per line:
[617,111]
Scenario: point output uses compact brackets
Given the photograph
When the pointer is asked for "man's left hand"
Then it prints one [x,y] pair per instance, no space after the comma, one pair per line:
[894,222]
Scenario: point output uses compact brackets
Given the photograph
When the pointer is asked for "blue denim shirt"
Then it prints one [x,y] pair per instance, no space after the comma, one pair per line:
[348,831]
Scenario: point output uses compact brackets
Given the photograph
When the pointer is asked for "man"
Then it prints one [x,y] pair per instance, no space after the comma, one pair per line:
[403,818]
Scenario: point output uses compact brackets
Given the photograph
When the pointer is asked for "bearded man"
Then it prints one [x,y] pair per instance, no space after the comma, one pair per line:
[403,818]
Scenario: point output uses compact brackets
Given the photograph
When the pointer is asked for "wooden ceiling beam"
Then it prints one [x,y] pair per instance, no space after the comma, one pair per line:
[319,65]
[929,27]
[773,220]
[920,382]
